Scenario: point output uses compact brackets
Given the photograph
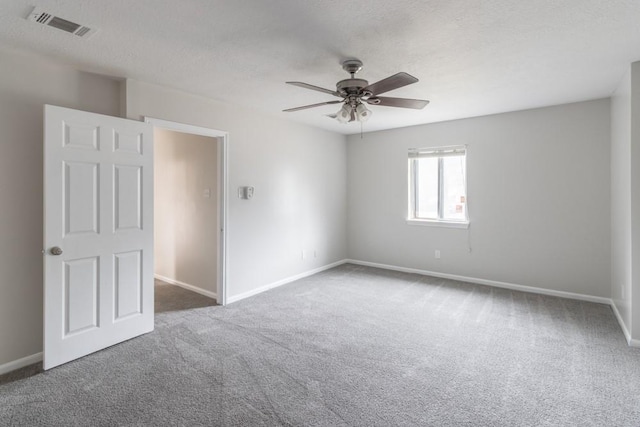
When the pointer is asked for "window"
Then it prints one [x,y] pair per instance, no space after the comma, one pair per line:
[438,186]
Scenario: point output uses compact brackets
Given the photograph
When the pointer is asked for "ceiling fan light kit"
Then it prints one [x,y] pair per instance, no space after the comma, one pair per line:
[356,92]
[363,113]
[344,114]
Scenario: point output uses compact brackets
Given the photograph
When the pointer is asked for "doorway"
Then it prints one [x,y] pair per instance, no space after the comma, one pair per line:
[190,211]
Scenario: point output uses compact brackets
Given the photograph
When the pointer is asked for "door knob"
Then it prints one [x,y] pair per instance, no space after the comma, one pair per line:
[56,251]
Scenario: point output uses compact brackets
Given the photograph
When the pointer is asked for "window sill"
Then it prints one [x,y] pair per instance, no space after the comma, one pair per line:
[445,224]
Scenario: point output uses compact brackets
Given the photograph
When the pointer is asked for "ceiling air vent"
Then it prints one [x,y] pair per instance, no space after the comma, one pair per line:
[46,18]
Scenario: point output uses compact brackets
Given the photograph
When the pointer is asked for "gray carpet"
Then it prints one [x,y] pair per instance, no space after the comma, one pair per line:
[353,346]
[167,297]
[174,298]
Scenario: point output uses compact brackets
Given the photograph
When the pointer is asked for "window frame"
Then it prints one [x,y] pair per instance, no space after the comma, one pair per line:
[439,153]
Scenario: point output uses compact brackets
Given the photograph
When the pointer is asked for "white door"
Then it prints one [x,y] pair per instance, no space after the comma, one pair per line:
[98,232]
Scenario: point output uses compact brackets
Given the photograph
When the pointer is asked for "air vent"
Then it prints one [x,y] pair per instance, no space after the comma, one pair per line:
[45,18]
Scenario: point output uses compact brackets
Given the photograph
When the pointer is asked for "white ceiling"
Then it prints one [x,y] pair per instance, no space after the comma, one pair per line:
[473,57]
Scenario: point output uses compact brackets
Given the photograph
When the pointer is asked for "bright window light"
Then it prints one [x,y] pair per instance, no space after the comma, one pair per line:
[438,185]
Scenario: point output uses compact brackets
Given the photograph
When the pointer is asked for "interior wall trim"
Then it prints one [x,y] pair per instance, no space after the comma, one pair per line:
[494,283]
[20,363]
[187,286]
[632,342]
[223,186]
[235,298]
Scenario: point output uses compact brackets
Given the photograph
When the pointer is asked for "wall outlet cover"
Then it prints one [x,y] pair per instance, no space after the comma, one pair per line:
[245,192]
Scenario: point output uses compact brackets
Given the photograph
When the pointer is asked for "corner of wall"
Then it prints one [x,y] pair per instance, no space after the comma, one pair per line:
[634,159]
[621,322]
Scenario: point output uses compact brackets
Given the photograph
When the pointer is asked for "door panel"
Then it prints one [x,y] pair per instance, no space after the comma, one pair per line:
[128,198]
[80,302]
[128,284]
[98,182]
[80,136]
[80,195]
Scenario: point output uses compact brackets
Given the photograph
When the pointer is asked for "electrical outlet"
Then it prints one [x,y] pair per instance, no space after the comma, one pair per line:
[245,193]
[437,254]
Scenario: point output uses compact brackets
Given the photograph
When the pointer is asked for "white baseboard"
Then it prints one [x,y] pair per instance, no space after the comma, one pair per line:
[623,326]
[187,286]
[505,285]
[20,363]
[632,342]
[265,288]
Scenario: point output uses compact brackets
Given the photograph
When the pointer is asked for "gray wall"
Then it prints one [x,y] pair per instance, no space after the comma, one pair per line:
[26,84]
[538,197]
[299,175]
[185,221]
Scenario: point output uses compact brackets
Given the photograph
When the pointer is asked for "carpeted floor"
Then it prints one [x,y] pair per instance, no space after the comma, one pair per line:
[353,346]
[169,297]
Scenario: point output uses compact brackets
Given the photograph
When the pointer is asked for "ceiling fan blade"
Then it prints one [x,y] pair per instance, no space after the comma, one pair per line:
[390,83]
[311,106]
[385,101]
[353,116]
[317,88]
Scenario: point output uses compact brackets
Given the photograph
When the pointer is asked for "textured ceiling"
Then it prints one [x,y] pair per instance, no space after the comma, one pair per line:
[473,57]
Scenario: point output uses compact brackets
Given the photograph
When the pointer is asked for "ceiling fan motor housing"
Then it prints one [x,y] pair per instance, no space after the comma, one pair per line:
[351,86]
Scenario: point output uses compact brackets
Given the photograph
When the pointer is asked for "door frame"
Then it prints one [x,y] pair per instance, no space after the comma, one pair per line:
[222,139]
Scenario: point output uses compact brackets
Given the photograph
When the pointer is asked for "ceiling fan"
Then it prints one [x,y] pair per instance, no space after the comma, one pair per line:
[356,92]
